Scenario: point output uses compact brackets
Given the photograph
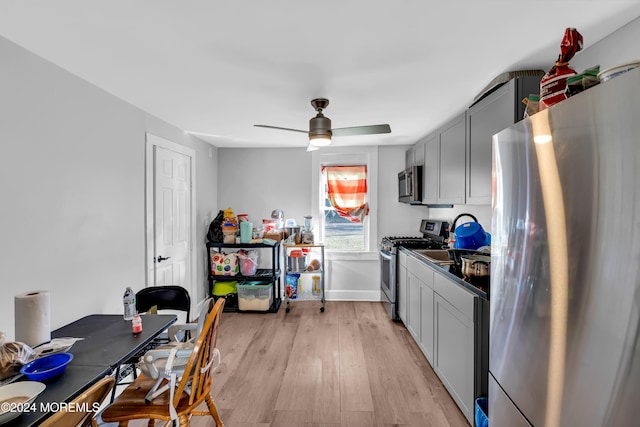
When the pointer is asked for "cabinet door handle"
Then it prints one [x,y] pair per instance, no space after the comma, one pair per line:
[161,258]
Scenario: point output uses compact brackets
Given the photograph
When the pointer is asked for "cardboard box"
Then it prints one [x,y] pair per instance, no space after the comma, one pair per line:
[274,235]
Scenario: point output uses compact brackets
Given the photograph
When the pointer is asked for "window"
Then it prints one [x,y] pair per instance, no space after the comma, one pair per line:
[345,207]
[337,229]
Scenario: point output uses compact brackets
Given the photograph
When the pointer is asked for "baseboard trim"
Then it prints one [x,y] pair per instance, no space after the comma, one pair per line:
[350,295]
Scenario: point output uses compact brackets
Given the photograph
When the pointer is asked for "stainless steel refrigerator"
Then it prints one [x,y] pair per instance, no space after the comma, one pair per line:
[565,278]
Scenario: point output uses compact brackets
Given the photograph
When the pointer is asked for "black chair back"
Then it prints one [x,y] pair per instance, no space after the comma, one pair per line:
[167,297]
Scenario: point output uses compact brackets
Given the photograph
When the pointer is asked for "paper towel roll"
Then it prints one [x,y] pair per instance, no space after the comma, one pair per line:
[33,318]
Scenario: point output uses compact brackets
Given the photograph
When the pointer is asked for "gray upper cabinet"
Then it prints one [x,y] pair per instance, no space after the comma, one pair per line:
[414,156]
[431,170]
[418,154]
[497,111]
[443,172]
[409,157]
[456,159]
[451,182]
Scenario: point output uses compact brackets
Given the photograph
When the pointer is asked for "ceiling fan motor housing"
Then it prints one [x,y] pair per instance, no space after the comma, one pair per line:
[320,125]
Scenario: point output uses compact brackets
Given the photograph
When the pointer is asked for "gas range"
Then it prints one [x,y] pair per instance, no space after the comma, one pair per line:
[434,236]
[388,243]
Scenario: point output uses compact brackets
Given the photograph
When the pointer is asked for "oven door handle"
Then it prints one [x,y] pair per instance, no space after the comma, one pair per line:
[386,255]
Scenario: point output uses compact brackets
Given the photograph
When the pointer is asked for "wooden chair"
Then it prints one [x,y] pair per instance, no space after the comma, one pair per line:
[168,362]
[82,410]
[193,388]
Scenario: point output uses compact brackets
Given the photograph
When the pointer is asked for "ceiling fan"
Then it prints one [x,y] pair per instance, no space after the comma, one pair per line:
[320,131]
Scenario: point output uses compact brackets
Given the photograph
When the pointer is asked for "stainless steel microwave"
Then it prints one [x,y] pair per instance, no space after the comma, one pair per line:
[410,185]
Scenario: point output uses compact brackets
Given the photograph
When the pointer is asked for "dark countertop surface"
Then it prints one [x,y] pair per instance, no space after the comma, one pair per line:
[479,286]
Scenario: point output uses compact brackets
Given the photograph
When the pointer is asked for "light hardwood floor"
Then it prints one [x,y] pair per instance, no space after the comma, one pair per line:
[348,366]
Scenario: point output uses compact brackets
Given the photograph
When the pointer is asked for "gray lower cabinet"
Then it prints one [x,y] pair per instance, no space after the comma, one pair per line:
[402,286]
[426,321]
[421,276]
[420,317]
[413,305]
[454,342]
[450,325]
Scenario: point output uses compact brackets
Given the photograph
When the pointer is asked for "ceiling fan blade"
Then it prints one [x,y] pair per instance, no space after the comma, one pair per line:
[361,130]
[279,128]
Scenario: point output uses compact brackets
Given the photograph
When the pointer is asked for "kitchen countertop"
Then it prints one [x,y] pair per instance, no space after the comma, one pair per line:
[478,287]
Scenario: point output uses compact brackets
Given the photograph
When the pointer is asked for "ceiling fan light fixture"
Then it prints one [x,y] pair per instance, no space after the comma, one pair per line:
[320,131]
[312,148]
[320,140]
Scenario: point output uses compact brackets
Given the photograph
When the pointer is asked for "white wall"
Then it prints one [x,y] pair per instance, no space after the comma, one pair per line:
[255,181]
[72,168]
[618,48]
[394,218]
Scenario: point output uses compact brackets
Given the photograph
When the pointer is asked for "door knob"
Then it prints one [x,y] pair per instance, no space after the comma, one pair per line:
[161,258]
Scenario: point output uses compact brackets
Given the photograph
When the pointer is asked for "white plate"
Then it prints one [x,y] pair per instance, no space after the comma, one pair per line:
[612,72]
[56,345]
[29,389]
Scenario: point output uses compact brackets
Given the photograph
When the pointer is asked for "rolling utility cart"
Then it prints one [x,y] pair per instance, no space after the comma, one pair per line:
[304,273]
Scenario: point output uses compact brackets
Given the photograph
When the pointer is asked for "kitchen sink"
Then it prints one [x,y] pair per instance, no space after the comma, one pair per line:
[436,256]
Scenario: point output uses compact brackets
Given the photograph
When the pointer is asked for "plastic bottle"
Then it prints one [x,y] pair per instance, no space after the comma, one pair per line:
[129,301]
[136,324]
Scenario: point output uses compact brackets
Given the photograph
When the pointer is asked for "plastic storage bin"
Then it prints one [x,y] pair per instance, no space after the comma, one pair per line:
[255,297]
[481,412]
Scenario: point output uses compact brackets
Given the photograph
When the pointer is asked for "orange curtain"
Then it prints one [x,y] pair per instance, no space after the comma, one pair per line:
[347,191]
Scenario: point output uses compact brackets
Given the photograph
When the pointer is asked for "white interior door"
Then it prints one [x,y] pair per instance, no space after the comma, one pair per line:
[170,214]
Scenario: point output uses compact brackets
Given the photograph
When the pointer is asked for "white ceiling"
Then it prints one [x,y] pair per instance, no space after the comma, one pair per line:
[219,67]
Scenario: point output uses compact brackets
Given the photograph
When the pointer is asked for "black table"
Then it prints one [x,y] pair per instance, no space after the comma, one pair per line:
[107,343]
[112,330]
